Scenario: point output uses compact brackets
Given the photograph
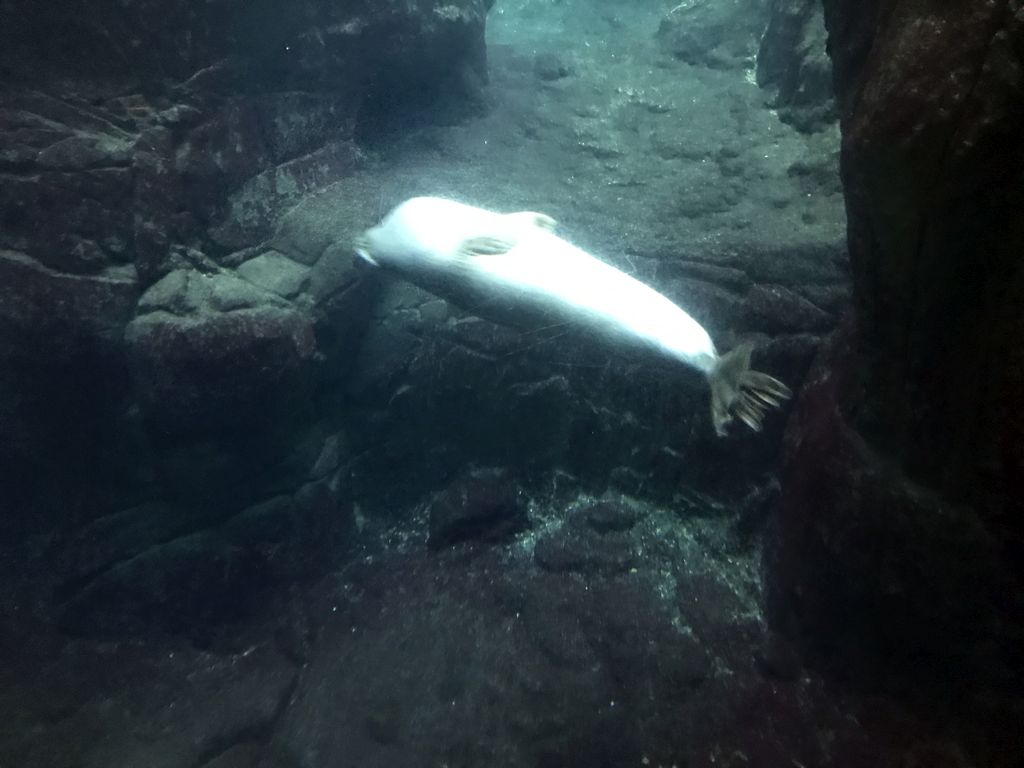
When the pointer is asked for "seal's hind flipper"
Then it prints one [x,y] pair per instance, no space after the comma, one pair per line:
[534,219]
[739,392]
[485,246]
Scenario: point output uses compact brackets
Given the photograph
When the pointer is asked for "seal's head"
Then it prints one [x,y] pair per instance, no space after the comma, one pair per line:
[420,233]
[384,245]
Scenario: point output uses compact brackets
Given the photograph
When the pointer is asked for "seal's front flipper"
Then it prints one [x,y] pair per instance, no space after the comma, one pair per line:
[533,219]
[485,246]
[492,245]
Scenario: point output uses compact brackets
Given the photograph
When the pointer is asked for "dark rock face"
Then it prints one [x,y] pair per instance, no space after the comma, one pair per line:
[648,649]
[484,505]
[225,373]
[481,656]
[899,545]
[234,113]
[794,63]
[169,338]
[119,47]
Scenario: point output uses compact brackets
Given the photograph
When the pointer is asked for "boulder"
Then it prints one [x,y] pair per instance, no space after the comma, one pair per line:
[897,549]
[585,552]
[484,505]
[223,372]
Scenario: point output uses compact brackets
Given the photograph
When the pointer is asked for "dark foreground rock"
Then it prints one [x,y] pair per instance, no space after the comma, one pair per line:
[109,706]
[898,560]
[476,655]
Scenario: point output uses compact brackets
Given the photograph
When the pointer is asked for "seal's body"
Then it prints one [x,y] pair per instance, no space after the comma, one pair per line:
[513,268]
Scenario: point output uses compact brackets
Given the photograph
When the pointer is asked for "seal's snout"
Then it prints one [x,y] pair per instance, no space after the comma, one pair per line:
[361,245]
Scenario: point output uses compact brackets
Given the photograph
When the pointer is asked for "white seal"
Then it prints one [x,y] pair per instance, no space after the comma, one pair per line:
[514,269]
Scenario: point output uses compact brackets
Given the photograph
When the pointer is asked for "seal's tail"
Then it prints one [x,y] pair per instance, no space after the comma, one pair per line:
[738,392]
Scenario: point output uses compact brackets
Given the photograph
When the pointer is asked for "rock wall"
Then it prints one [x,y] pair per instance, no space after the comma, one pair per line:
[166,349]
[899,546]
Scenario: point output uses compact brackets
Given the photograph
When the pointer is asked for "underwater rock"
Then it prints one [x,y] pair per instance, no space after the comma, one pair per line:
[464,381]
[522,667]
[777,658]
[76,220]
[184,706]
[898,547]
[274,272]
[64,393]
[749,720]
[583,551]
[205,375]
[718,617]
[794,63]
[253,209]
[549,67]
[608,517]
[593,541]
[129,571]
[297,536]
[721,34]
[776,309]
[312,47]
[483,505]
[155,144]
[186,583]
[226,400]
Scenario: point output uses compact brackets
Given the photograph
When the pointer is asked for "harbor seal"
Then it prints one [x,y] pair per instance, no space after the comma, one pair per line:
[514,269]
